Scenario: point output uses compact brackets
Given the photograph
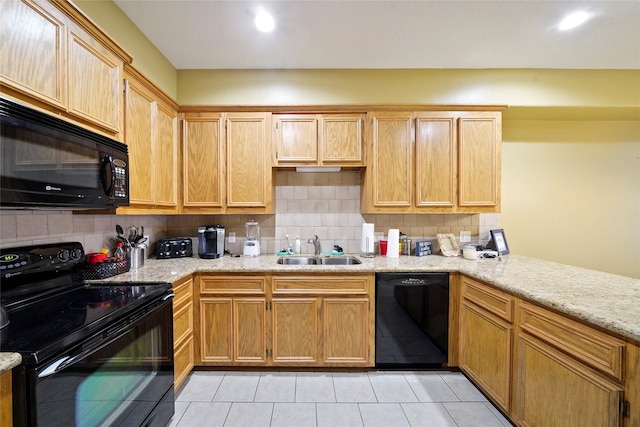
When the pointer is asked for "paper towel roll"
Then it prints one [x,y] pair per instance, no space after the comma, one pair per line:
[393,244]
[367,238]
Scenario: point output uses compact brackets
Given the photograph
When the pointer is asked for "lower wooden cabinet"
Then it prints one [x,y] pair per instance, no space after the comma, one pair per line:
[486,339]
[553,389]
[6,402]
[183,349]
[542,368]
[232,331]
[295,331]
[567,373]
[285,320]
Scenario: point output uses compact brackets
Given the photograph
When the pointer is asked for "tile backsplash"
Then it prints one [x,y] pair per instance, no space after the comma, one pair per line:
[307,204]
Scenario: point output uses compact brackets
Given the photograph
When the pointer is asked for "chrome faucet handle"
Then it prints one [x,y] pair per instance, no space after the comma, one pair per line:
[316,244]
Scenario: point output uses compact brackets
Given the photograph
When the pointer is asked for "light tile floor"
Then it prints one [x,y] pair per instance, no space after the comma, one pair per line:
[323,399]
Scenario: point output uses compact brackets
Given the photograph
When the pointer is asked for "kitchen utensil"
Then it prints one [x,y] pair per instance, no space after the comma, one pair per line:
[252,244]
[119,231]
[132,234]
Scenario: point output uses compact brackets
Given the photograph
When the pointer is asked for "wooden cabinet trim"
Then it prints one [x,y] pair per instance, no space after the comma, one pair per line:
[596,349]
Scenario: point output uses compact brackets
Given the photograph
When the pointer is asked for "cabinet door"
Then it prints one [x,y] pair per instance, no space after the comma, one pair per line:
[203,157]
[216,330]
[33,51]
[249,176]
[295,331]
[95,81]
[139,108]
[546,377]
[345,331]
[392,160]
[340,139]
[479,159]
[435,160]
[166,156]
[296,139]
[6,400]
[249,331]
[485,351]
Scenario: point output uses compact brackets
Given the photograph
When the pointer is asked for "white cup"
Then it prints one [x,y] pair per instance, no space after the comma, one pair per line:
[469,252]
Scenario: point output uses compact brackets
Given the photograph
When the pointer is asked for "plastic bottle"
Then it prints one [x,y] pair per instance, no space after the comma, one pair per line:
[119,252]
[297,250]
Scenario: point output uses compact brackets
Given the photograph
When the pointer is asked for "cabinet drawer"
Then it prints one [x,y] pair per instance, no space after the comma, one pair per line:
[314,284]
[592,347]
[236,284]
[182,362]
[182,323]
[492,300]
[183,292]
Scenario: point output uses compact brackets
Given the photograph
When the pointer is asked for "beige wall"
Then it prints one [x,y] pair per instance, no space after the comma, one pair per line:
[146,57]
[518,87]
[571,192]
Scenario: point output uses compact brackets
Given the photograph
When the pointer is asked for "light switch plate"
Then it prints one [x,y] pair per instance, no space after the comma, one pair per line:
[232,237]
[465,236]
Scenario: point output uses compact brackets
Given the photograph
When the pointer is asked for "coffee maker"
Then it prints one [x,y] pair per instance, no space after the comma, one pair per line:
[211,241]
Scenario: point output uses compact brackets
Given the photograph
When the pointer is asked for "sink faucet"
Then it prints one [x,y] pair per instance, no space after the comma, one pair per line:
[316,244]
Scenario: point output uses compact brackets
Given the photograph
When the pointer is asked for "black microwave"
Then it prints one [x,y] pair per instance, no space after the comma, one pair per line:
[50,163]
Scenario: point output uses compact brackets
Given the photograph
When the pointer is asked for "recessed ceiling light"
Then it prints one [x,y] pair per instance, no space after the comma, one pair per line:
[264,21]
[573,20]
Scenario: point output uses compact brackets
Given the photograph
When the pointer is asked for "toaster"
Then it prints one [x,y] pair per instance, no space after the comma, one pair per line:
[178,247]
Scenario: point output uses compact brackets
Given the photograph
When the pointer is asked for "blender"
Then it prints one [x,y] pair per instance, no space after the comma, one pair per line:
[252,244]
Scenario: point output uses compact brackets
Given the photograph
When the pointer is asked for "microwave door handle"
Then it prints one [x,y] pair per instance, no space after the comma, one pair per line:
[107,175]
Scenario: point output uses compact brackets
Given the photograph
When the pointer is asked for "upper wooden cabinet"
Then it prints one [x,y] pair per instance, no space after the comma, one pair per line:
[249,174]
[480,135]
[318,139]
[432,162]
[151,133]
[203,165]
[57,59]
[227,163]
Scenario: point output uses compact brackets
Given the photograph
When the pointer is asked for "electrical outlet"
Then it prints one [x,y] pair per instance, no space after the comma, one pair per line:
[232,237]
[465,236]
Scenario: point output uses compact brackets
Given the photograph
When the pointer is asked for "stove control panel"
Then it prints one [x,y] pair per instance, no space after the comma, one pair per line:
[39,259]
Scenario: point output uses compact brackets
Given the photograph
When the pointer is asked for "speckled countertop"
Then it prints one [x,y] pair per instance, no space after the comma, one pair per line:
[9,361]
[606,300]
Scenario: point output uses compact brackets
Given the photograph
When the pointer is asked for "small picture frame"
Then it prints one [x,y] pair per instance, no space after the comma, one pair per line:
[498,241]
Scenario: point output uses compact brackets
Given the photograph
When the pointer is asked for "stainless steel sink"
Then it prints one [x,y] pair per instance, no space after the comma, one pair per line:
[296,260]
[347,260]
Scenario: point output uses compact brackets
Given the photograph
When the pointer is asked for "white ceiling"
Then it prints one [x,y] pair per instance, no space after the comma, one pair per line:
[213,34]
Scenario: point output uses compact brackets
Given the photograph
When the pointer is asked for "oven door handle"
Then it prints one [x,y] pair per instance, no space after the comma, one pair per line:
[53,367]
[66,360]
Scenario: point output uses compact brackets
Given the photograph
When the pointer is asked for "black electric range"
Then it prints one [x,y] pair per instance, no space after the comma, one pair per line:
[70,331]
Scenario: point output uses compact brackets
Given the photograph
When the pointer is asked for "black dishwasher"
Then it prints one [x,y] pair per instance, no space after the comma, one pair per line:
[412,320]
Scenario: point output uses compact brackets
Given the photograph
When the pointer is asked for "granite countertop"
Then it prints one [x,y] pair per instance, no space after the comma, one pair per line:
[602,299]
[8,361]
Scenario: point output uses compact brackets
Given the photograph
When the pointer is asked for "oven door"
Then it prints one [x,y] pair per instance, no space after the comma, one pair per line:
[120,376]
